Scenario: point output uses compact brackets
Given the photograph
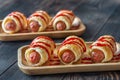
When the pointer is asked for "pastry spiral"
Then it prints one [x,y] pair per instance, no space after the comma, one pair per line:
[62,20]
[40,51]
[103,49]
[14,22]
[38,21]
[71,50]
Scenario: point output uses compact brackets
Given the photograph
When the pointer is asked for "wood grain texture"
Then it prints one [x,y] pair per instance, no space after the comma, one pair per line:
[95,14]
[100,17]
[112,26]
[8,54]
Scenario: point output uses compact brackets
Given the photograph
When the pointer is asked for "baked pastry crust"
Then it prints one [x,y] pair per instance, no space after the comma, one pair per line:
[65,16]
[19,19]
[42,18]
[74,44]
[42,45]
[107,45]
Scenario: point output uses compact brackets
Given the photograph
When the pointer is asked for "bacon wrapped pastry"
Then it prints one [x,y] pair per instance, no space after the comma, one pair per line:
[71,50]
[103,49]
[40,51]
[63,20]
[38,21]
[14,22]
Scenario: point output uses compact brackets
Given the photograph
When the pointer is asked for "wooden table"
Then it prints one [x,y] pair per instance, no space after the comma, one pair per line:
[100,17]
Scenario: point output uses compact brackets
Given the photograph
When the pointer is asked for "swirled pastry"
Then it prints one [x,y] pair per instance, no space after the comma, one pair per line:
[103,49]
[40,51]
[38,21]
[71,50]
[62,20]
[14,22]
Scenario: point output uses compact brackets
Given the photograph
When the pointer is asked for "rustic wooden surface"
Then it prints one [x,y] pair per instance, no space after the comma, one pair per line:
[100,17]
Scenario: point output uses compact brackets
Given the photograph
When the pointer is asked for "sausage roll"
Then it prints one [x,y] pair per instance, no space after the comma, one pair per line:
[40,51]
[14,22]
[71,50]
[63,20]
[103,49]
[38,21]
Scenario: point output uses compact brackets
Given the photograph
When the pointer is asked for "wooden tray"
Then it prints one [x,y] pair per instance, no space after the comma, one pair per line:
[31,35]
[63,68]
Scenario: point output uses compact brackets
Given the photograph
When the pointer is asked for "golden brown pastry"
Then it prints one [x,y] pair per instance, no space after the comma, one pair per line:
[103,49]
[71,50]
[63,20]
[38,21]
[14,22]
[40,51]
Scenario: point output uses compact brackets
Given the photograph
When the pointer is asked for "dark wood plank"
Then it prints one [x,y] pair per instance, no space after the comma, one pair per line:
[28,7]
[93,76]
[94,13]
[16,74]
[112,26]
[8,54]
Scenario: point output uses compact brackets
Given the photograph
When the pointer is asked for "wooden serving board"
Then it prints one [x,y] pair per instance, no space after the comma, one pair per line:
[31,35]
[53,69]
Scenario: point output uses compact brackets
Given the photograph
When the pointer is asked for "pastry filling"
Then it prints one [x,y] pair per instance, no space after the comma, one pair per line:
[10,25]
[60,25]
[34,26]
[97,56]
[34,57]
[68,56]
